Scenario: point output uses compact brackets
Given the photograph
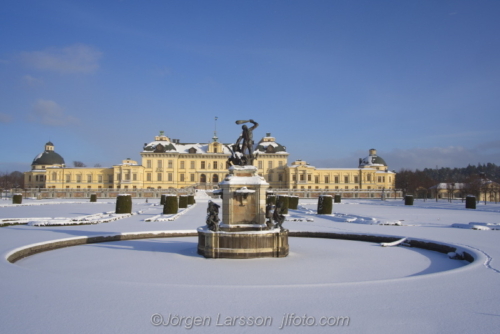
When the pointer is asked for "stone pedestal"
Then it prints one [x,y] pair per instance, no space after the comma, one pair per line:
[242,245]
[243,232]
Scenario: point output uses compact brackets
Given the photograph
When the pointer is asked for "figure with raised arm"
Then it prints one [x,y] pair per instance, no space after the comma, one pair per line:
[246,140]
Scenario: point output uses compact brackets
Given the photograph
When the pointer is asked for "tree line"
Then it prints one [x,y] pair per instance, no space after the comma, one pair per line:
[11,180]
[473,179]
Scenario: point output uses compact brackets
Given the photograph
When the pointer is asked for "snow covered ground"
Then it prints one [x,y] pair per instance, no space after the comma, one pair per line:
[324,285]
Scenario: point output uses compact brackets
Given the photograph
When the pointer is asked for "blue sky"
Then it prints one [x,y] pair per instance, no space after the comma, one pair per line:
[417,80]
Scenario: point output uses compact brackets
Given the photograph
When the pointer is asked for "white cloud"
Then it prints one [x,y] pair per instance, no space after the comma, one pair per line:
[50,113]
[78,58]
[32,81]
[5,118]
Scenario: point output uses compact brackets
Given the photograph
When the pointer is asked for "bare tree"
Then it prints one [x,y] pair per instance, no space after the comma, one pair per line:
[11,180]
[79,164]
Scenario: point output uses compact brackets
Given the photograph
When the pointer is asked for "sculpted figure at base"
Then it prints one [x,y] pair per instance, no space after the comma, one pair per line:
[213,216]
[278,217]
[237,158]
[269,216]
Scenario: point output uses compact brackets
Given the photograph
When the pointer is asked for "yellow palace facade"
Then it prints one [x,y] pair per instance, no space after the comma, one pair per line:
[169,164]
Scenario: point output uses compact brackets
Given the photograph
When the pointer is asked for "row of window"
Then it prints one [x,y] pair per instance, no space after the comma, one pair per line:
[302,177]
[338,188]
[182,164]
[182,178]
[203,164]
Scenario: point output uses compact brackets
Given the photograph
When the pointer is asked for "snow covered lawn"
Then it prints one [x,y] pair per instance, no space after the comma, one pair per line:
[324,285]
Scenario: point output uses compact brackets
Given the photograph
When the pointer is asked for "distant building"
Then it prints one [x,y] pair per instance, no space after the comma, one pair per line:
[372,174]
[168,163]
[482,189]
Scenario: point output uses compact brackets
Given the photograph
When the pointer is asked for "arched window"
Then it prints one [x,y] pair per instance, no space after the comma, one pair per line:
[215,178]
[203,178]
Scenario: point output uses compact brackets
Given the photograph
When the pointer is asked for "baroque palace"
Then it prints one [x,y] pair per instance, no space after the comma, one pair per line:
[168,163]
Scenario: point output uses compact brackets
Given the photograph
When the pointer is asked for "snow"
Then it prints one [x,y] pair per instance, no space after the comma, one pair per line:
[117,287]
[184,147]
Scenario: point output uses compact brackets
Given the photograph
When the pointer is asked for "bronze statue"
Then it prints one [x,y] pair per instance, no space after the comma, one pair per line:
[213,216]
[236,158]
[246,139]
[278,217]
[269,216]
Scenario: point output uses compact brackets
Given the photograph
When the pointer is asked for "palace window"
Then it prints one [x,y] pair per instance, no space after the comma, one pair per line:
[356,179]
[202,165]
[68,177]
[346,179]
[134,177]
[170,177]
[270,164]
[89,178]
[148,163]
[181,177]
[336,179]
[78,178]
[170,164]
[369,178]
[261,165]
[99,178]
[148,177]
[309,177]
[280,177]
[294,178]
[192,165]
[192,177]
[182,164]
[110,178]
[158,177]
[270,177]
[54,176]
[327,179]
[215,164]
[160,165]
[316,179]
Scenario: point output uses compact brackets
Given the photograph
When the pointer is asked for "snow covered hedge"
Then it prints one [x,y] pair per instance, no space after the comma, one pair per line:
[325,205]
[17,199]
[171,206]
[123,203]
